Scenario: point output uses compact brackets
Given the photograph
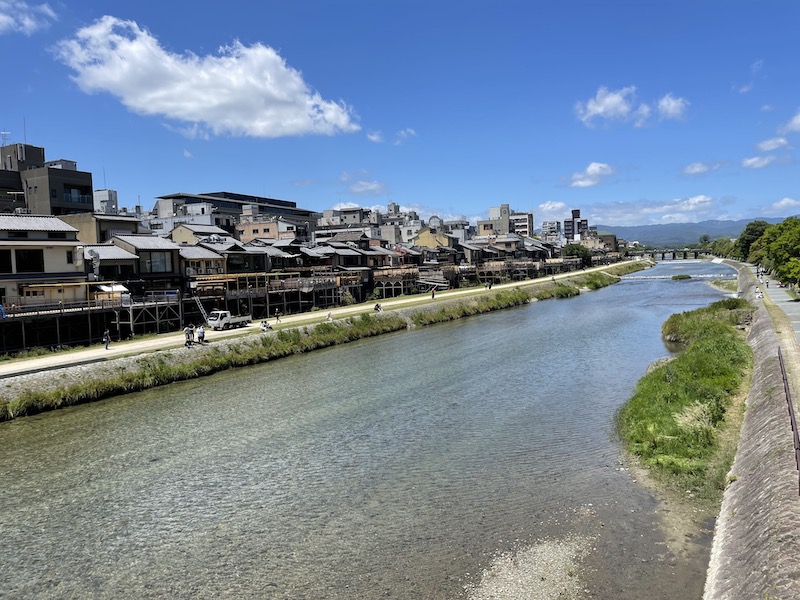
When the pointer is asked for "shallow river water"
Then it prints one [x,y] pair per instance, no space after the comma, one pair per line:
[398,466]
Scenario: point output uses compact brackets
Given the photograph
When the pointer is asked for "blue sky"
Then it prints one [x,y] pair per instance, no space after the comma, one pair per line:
[636,112]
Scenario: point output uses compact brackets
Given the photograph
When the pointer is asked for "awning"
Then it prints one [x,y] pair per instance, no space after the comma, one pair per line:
[113,288]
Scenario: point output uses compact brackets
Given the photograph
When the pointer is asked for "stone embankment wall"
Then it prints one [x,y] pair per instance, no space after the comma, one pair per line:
[756,548]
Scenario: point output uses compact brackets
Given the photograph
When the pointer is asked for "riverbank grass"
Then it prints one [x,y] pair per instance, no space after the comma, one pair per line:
[678,422]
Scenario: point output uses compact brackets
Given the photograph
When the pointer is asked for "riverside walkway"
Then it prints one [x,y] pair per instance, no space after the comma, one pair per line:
[176,339]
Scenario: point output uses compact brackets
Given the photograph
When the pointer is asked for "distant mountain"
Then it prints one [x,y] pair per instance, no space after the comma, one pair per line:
[681,234]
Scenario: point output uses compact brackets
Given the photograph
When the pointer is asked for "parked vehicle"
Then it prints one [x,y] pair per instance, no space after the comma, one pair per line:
[223,319]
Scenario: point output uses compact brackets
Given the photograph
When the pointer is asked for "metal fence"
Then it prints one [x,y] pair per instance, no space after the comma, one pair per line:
[792,415]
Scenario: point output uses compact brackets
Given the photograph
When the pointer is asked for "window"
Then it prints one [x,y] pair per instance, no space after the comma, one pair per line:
[57,235]
[30,261]
[53,193]
[255,231]
[70,257]
[155,262]
[5,261]
[18,234]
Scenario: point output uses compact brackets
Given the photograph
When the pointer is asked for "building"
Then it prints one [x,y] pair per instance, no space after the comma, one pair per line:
[39,187]
[253,225]
[225,210]
[96,228]
[521,223]
[105,201]
[37,261]
[575,228]
[551,231]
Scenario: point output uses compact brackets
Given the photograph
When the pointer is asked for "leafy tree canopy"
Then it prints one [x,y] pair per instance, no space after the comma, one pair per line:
[752,231]
[579,251]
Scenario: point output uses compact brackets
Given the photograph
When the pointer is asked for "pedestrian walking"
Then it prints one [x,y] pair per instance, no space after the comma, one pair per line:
[277,316]
[433,294]
[187,332]
[106,338]
[201,334]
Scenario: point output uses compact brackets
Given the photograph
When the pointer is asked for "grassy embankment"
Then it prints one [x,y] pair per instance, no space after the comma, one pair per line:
[681,422]
[159,369]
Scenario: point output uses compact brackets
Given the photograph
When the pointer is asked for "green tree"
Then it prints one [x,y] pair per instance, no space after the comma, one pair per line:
[723,247]
[704,240]
[579,251]
[753,231]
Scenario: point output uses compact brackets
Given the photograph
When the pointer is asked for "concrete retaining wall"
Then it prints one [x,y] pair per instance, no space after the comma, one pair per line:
[756,548]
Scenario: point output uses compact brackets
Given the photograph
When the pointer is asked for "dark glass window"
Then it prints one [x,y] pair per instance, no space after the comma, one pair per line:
[5,261]
[30,261]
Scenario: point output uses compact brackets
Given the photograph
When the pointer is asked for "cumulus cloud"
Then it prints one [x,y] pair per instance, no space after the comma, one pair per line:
[757,162]
[240,91]
[678,210]
[792,126]
[670,107]
[403,135]
[785,205]
[375,136]
[21,17]
[610,105]
[622,105]
[773,144]
[551,211]
[593,175]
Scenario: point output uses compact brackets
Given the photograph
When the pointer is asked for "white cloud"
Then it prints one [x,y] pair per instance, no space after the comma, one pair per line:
[773,144]
[186,153]
[785,204]
[755,69]
[240,91]
[375,136]
[622,105]
[679,210]
[792,126]
[767,108]
[641,115]
[552,207]
[593,175]
[403,135]
[670,107]
[21,17]
[696,168]
[757,162]
[616,105]
[367,188]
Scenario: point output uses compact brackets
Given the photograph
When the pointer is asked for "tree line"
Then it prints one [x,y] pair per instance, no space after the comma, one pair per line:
[775,248]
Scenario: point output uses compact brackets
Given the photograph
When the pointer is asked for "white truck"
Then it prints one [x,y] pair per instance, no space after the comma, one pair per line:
[223,319]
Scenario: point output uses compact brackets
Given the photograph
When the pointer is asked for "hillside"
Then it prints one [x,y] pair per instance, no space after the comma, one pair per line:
[681,234]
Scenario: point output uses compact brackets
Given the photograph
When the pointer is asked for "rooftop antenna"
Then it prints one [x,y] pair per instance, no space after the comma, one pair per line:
[105,187]
[4,136]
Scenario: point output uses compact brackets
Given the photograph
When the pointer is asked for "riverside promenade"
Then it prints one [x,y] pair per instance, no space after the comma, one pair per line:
[754,552]
[165,341]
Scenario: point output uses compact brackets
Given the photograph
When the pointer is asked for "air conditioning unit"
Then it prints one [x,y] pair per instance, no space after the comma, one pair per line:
[22,211]
[209,271]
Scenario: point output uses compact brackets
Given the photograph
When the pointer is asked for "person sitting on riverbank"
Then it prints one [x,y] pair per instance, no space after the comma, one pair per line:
[378,307]
[265,326]
[201,334]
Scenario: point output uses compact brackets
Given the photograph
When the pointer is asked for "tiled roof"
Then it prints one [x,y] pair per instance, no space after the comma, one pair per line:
[203,228]
[198,253]
[33,223]
[107,252]
[148,242]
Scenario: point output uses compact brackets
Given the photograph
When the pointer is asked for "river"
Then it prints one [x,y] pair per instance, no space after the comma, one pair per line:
[398,466]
